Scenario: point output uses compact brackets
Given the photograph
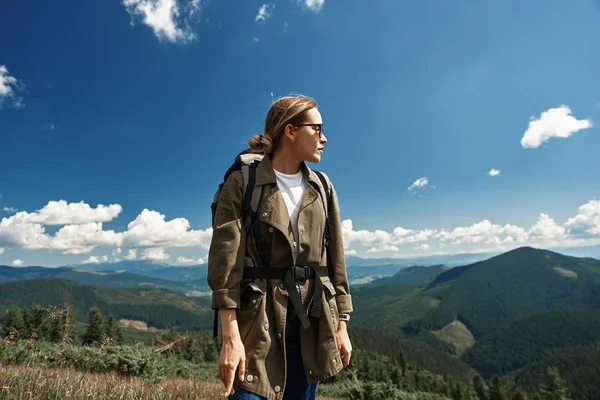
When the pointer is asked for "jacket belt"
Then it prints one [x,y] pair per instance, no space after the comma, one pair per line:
[290,276]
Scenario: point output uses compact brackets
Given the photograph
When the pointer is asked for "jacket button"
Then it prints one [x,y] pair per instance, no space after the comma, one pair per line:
[267,326]
[277,389]
[265,214]
[310,372]
[279,336]
[249,378]
[271,229]
[295,244]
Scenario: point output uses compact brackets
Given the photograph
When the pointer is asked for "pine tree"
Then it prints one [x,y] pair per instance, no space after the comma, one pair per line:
[63,324]
[495,392]
[518,394]
[40,322]
[479,387]
[13,321]
[457,393]
[554,389]
[113,330]
[95,329]
[400,360]
[69,320]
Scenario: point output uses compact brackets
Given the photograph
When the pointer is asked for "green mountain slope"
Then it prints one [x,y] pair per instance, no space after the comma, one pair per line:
[153,269]
[415,352]
[491,294]
[409,276]
[106,279]
[159,308]
[578,366]
[476,303]
[534,338]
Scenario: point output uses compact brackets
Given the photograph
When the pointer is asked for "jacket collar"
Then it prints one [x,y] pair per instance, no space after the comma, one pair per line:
[266,175]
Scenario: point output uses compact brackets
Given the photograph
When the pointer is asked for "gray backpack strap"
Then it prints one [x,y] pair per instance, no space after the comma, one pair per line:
[325,189]
[251,195]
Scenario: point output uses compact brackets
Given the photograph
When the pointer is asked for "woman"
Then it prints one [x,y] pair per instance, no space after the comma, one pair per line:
[284,329]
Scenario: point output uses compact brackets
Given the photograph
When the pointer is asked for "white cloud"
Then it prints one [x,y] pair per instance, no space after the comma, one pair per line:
[8,85]
[264,12]
[256,39]
[150,235]
[546,228]
[494,172]
[382,248]
[92,260]
[9,209]
[150,229]
[48,127]
[482,236]
[105,258]
[382,241]
[81,239]
[587,220]
[61,213]
[420,183]
[81,233]
[313,5]
[554,122]
[168,21]
[154,253]
[184,260]
[482,232]
[17,263]
[1,250]
[131,254]
[350,252]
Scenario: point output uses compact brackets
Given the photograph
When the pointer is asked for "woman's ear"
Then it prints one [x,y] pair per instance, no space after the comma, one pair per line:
[289,132]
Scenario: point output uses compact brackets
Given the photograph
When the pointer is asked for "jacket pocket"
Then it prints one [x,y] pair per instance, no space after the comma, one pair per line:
[331,303]
[251,299]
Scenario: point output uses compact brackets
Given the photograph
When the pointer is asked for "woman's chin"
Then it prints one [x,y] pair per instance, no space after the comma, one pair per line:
[315,158]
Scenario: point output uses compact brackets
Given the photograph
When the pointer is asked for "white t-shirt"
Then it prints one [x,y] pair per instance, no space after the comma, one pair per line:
[292,187]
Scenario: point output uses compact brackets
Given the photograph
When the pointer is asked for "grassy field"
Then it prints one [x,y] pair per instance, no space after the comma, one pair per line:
[37,383]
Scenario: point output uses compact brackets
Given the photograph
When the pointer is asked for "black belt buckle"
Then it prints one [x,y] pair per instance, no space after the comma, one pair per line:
[301,274]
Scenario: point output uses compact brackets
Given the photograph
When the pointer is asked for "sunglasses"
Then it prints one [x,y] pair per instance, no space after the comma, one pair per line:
[319,127]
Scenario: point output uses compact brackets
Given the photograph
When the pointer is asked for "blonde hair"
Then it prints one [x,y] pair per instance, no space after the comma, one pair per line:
[283,111]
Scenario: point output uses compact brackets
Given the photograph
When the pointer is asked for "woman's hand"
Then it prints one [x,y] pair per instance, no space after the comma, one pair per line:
[344,345]
[233,355]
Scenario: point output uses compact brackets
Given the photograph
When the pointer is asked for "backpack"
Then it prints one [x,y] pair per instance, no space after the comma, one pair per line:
[246,162]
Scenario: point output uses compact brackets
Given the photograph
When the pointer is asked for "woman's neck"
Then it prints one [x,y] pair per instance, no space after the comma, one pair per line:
[284,163]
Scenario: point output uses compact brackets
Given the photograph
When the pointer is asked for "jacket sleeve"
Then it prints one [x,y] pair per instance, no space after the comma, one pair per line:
[227,246]
[337,261]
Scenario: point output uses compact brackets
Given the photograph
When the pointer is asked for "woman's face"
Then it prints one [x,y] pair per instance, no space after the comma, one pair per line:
[309,138]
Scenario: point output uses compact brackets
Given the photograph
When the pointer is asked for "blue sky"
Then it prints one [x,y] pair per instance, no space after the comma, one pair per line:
[119,118]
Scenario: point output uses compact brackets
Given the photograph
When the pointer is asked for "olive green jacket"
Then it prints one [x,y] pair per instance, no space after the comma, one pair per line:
[261,311]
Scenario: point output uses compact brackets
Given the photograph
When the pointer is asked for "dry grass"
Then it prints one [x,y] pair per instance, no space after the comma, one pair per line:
[566,272]
[39,383]
[457,334]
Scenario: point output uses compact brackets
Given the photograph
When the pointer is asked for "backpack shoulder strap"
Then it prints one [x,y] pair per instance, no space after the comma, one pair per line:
[251,193]
[251,199]
[325,190]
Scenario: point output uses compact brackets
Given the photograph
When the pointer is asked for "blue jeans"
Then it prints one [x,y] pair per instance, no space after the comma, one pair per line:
[296,388]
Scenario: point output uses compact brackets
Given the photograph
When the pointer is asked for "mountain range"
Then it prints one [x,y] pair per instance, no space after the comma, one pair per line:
[509,314]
